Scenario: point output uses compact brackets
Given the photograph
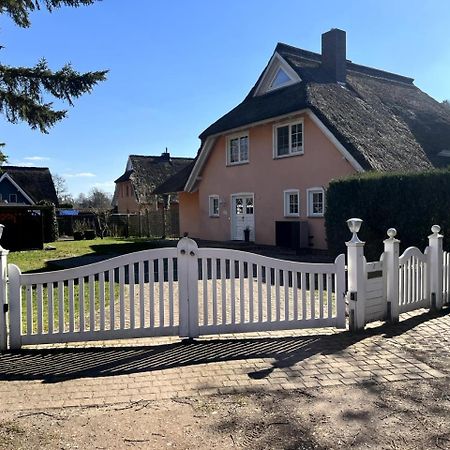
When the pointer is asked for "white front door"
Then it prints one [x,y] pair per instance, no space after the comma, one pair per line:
[242,216]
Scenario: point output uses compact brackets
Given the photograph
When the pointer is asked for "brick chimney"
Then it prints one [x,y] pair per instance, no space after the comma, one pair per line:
[334,54]
[165,156]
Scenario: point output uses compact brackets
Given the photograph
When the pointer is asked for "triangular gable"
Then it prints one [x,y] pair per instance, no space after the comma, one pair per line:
[5,176]
[278,74]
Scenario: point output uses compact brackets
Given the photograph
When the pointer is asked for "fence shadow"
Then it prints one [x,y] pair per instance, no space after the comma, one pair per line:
[55,365]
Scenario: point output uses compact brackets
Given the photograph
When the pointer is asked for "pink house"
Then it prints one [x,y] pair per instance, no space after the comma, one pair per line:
[265,166]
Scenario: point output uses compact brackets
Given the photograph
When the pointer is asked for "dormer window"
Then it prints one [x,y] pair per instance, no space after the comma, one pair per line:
[281,78]
[278,74]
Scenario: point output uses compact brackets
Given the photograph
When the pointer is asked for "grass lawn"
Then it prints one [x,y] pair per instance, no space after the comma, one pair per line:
[36,260]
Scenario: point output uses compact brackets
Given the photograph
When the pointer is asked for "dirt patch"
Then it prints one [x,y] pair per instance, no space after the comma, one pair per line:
[385,416]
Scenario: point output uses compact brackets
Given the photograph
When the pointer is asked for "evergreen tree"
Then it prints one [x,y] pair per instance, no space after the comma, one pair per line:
[22,89]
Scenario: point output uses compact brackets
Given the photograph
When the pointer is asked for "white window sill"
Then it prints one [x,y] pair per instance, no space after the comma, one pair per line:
[240,163]
[292,216]
[314,216]
[289,155]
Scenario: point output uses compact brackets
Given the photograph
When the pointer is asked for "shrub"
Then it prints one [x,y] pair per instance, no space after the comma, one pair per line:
[409,202]
[50,223]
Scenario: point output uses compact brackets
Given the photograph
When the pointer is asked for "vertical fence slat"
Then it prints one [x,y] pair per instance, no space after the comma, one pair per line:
[141,295]
[277,294]
[170,282]
[312,294]
[241,292]
[286,294]
[39,309]
[101,296]
[112,299]
[51,316]
[320,283]
[214,289]
[303,281]
[122,297]
[269,293]
[71,296]
[161,291]
[260,296]
[251,312]
[295,295]
[91,303]
[232,291]
[329,288]
[81,302]
[61,306]
[131,282]
[205,291]
[29,301]
[223,274]
[151,288]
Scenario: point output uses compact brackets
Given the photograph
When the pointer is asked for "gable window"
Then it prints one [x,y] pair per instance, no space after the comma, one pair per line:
[288,139]
[292,203]
[280,79]
[237,149]
[316,202]
[213,206]
[12,198]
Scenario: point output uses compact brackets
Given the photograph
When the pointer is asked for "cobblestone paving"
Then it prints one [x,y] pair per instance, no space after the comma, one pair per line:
[150,369]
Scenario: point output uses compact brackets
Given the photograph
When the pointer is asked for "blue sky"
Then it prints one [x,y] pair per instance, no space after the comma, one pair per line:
[176,66]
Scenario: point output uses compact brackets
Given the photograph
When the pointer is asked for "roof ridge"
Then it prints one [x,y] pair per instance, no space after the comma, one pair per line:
[23,168]
[360,68]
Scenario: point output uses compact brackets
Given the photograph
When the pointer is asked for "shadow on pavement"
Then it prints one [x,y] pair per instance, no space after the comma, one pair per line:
[54,365]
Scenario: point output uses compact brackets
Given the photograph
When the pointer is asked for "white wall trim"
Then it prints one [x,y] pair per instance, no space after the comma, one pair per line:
[27,197]
[355,164]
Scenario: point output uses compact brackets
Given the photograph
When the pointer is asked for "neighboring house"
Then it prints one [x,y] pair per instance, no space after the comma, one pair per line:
[26,185]
[309,118]
[134,189]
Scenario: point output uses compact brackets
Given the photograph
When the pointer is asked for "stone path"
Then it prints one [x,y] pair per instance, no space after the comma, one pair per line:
[151,369]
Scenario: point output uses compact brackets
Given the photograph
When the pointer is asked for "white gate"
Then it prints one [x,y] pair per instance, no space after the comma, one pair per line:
[183,291]
[413,280]
[376,304]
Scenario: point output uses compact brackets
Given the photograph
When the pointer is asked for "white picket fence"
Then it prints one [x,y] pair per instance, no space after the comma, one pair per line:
[189,291]
[185,291]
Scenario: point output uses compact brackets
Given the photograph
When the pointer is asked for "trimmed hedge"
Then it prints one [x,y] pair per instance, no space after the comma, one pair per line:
[409,202]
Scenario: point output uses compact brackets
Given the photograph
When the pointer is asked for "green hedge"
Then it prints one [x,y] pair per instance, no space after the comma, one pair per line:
[409,202]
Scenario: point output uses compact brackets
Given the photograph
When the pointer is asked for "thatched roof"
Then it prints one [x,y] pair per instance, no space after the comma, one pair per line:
[37,182]
[381,118]
[147,172]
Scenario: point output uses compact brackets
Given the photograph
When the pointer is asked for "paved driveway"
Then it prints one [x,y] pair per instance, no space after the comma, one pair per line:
[151,369]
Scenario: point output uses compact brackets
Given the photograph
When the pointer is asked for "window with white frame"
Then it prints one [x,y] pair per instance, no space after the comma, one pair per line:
[316,202]
[292,203]
[213,206]
[237,149]
[288,139]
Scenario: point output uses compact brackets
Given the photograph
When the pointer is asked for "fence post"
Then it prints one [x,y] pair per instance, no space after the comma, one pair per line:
[15,307]
[356,277]
[340,291]
[188,287]
[3,295]
[436,267]
[391,268]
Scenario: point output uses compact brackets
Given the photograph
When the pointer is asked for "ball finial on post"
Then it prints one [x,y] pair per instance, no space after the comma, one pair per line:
[392,232]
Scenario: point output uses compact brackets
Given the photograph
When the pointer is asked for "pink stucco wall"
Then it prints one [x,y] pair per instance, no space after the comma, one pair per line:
[126,203]
[267,178]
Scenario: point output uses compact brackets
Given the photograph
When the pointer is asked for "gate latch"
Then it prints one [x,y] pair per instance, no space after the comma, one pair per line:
[5,307]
